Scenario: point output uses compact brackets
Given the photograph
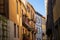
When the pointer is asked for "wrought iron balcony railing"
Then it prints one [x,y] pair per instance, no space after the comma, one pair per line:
[25,22]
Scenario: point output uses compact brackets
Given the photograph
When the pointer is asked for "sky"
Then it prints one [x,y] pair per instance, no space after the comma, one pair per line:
[39,6]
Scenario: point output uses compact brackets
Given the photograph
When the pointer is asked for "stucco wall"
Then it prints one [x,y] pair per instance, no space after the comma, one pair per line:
[11,31]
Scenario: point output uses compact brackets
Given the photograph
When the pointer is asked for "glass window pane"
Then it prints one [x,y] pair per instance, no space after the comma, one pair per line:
[14,30]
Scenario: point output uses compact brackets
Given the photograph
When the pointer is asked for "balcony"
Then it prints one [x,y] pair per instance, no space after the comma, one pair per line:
[25,22]
[34,30]
[33,20]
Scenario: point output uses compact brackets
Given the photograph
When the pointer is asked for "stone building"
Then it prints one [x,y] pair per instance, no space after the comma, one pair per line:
[53,19]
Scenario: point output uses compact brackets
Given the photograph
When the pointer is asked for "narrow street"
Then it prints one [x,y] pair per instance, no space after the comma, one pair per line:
[29,19]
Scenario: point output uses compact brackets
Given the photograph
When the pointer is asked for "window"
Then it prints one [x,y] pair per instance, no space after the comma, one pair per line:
[59,21]
[14,30]
[39,30]
[28,9]
[23,30]
[32,15]
[22,11]
[18,31]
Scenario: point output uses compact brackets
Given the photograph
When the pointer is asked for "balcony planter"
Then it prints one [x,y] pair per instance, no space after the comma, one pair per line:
[26,24]
[34,31]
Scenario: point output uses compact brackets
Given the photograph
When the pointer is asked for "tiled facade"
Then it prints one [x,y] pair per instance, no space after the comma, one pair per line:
[38,26]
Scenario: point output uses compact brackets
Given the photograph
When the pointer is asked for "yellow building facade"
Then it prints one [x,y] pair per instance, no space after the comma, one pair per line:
[13,16]
[31,16]
[43,28]
[20,19]
[28,23]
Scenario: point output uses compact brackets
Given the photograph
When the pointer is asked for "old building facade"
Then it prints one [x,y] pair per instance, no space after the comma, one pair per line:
[54,20]
[16,21]
[44,37]
[56,17]
[38,26]
[9,13]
